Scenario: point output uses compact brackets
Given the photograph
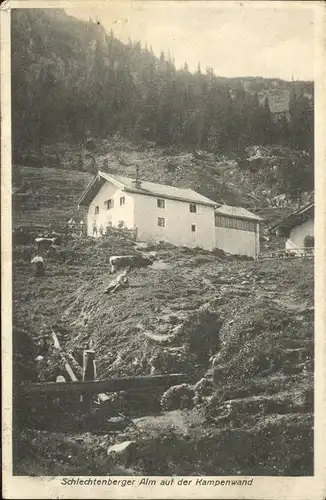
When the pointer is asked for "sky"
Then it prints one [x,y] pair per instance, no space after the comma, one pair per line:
[234,38]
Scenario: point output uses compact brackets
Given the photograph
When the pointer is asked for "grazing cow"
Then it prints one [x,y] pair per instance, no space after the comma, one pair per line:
[58,238]
[118,262]
[289,253]
[39,265]
[43,244]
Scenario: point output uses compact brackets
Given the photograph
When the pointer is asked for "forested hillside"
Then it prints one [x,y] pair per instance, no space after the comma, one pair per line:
[70,79]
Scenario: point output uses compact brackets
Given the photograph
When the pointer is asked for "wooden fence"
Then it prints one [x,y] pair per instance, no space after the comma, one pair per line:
[86,390]
[284,253]
[102,386]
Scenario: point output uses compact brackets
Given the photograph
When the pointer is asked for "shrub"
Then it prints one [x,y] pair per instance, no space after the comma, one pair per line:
[177,397]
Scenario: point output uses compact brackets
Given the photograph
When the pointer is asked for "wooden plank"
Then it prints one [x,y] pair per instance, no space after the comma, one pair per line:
[70,372]
[88,364]
[56,341]
[66,364]
[99,386]
[75,366]
[88,374]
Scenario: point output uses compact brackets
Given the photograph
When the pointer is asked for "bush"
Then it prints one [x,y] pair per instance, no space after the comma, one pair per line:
[177,397]
[199,260]
[218,252]
[201,334]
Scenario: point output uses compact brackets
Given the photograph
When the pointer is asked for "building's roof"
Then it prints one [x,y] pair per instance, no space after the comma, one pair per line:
[146,188]
[296,218]
[238,212]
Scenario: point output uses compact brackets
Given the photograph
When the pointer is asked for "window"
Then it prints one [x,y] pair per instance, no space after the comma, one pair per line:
[193,208]
[193,228]
[309,241]
[109,204]
[161,203]
[122,200]
[161,222]
[97,210]
[234,223]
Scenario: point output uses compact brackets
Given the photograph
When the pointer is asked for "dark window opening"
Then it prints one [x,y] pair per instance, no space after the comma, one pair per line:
[109,204]
[193,208]
[309,241]
[193,227]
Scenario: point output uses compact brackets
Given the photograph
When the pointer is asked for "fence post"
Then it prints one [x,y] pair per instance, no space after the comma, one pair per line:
[62,399]
[88,374]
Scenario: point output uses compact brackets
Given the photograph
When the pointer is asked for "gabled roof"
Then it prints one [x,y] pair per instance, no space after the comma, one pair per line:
[238,212]
[146,188]
[296,218]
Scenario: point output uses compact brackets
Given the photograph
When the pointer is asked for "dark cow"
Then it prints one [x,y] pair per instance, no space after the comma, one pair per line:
[58,238]
[118,262]
[39,267]
[43,244]
[289,253]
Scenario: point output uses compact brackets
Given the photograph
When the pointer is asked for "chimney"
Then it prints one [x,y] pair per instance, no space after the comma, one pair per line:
[137,182]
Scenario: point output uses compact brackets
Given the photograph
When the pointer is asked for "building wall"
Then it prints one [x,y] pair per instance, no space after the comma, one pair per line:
[298,234]
[236,241]
[178,221]
[114,215]
[142,212]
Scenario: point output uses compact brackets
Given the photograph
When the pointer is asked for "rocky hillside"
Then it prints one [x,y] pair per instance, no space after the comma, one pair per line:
[189,313]
[45,194]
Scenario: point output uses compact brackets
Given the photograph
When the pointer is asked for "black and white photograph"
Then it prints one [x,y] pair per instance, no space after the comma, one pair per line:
[162,175]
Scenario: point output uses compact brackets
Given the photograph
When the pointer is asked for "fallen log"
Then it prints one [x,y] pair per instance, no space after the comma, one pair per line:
[66,364]
[56,341]
[70,371]
[75,365]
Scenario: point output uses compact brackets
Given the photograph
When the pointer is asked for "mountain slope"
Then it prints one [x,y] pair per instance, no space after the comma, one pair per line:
[76,91]
[47,196]
[191,314]
[70,78]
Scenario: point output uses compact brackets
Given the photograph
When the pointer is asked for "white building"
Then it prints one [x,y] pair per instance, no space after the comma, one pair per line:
[298,228]
[237,231]
[164,213]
